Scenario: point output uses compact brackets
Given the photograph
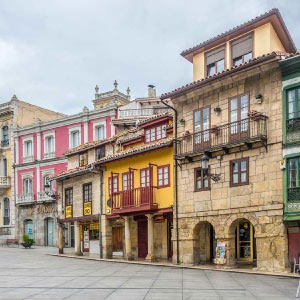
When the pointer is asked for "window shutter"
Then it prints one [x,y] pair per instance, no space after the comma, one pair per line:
[242,46]
[215,55]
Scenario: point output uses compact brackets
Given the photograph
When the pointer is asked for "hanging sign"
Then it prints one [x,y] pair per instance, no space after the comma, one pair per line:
[87,208]
[69,211]
[220,253]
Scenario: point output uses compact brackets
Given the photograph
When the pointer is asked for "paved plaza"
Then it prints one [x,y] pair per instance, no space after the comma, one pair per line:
[31,274]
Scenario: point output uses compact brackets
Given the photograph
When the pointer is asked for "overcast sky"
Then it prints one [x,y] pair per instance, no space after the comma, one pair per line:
[53,53]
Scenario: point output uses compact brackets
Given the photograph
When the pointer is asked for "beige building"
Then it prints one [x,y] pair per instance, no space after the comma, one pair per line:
[229,147]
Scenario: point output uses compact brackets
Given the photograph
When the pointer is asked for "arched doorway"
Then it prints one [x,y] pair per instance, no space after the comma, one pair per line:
[28,228]
[49,228]
[204,243]
[245,243]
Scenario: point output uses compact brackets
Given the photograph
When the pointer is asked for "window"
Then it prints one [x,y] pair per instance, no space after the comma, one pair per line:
[6,211]
[5,137]
[127,181]
[28,149]
[156,133]
[293,107]
[294,172]
[115,187]
[215,61]
[83,159]
[163,176]
[241,50]
[5,167]
[100,152]
[239,172]
[202,182]
[69,196]
[87,192]
[100,132]
[27,186]
[48,184]
[75,138]
[202,125]
[145,177]
[49,144]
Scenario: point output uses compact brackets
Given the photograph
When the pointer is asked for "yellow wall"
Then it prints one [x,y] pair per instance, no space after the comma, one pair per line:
[164,156]
[265,41]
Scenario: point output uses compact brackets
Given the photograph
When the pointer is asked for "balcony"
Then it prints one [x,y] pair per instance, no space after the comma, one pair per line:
[25,199]
[143,112]
[4,182]
[222,138]
[49,155]
[5,143]
[46,197]
[27,159]
[138,199]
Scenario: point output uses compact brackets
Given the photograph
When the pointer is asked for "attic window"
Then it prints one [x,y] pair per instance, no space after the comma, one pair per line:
[156,133]
[215,61]
[242,50]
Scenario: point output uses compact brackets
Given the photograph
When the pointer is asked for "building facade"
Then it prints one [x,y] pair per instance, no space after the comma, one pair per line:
[230,143]
[290,68]
[13,114]
[40,152]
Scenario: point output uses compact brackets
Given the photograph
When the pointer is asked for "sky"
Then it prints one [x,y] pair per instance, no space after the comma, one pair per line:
[53,53]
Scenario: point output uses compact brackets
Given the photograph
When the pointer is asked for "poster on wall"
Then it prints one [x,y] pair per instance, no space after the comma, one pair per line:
[87,208]
[220,253]
[86,240]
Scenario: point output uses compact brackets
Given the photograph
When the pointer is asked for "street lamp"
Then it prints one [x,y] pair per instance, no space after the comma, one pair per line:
[206,172]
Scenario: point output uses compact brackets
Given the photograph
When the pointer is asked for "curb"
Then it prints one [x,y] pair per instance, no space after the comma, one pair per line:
[243,271]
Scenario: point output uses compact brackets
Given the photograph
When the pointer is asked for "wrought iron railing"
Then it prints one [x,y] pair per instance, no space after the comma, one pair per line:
[293,194]
[4,181]
[4,143]
[247,130]
[25,198]
[135,198]
[142,112]
[293,125]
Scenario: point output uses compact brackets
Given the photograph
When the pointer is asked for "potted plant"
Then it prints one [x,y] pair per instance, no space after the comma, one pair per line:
[27,241]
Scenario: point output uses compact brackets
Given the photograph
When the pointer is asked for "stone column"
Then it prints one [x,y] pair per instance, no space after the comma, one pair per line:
[78,242]
[60,239]
[150,256]
[128,254]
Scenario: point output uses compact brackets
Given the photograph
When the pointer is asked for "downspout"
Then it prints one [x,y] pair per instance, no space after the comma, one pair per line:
[175,177]
[100,213]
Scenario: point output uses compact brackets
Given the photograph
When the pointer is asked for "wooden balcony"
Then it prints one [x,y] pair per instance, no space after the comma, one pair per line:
[223,137]
[138,199]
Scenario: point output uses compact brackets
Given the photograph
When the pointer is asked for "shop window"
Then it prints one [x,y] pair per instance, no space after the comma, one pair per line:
[163,176]
[239,172]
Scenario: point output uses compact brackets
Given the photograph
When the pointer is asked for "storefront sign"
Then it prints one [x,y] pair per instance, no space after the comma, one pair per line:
[220,253]
[87,208]
[46,209]
[69,211]
[94,226]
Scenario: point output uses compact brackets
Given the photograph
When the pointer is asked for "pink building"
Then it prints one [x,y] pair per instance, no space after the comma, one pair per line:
[39,154]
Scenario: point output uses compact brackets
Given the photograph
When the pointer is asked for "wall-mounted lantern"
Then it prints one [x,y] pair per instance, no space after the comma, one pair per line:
[259,98]
[206,172]
[217,110]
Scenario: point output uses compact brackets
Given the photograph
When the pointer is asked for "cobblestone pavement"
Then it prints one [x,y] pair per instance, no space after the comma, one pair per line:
[30,274]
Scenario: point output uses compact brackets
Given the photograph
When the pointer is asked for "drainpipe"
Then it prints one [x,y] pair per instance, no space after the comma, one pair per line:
[175,177]
[100,213]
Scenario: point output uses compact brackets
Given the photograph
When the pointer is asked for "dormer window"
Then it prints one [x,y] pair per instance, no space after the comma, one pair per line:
[242,50]
[155,133]
[215,61]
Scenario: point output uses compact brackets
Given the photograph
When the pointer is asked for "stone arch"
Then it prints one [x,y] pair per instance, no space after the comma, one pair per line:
[233,219]
[204,242]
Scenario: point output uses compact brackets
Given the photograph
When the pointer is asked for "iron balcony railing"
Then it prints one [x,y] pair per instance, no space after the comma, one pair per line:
[293,194]
[142,112]
[223,136]
[138,198]
[25,198]
[5,143]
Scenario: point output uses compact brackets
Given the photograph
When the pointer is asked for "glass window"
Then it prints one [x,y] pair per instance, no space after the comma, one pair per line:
[28,149]
[5,167]
[27,186]
[48,184]
[145,177]
[239,172]
[100,152]
[75,138]
[100,132]
[83,159]
[163,178]
[156,133]
[49,144]
[293,172]
[201,181]
[147,136]
[211,69]
[293,106]
[115,186]
[6,211]
[69,196]
[5,137]
[87,192]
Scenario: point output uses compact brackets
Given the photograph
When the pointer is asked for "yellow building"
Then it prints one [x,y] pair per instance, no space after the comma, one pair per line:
[139,192]
[14,113]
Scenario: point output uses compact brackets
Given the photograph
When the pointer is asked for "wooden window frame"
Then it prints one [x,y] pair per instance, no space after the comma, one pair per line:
[90,193]
[202,181]
[83,162]
[201,115]
[67,190]
[128,177]
[111,182]
[239,172]
[150,177]
[164,185]
[239,106]
[148,130]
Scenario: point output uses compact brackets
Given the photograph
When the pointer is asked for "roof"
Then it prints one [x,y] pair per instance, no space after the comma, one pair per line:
[154,117]
[273,16]
[209,79]
[137,150]
[70,172]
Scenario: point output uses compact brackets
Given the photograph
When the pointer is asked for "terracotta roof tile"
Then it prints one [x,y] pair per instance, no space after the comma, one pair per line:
[154,117]
[70,172]
[204,80]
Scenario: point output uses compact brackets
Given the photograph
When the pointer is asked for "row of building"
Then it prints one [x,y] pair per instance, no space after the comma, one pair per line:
[206,173]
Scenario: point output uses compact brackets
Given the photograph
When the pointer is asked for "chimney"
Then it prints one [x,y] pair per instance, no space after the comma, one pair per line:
[151,91]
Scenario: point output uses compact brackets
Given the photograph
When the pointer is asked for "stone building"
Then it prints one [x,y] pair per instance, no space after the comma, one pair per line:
[229,148]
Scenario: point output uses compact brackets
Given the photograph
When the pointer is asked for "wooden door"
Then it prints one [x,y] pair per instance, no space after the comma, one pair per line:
[127,187]
[117,237]
[201,129]
[145,185]
[142,238]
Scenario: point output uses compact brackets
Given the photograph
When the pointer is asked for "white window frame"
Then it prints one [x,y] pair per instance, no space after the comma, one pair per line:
[25,176]
[46,136]
[3,213]
[71,130]
[95,126]
[46,173]
[24,141]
